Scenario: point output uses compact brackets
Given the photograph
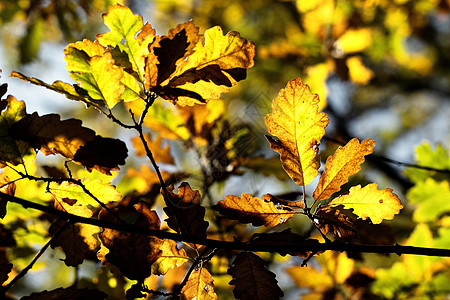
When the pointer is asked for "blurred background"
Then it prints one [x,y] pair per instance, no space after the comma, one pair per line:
[380,67]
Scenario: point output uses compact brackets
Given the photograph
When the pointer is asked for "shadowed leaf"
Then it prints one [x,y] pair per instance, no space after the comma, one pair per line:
[102,154]
[67,293]
[5,269]
[370,202]
[185,213]
[344,163]
[248,209]
[299,126]
[251,280]
[199,286]
[133,254]
[336,222]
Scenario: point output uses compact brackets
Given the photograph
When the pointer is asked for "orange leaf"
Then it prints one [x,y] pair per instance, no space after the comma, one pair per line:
[344,163]
[299,126]
[248,209]
[199,286]
[185,213]
[160,154]
[370,202]
[252,280]
[170,258]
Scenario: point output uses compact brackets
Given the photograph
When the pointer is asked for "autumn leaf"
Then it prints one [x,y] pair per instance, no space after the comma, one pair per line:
[344,163]
[132,253]
[160,154]
[334,221]
[217,64]
[199,286]
[94,70]
[252,280]
[51,135]
[102,154]
[5,269]
[67,293]
[77,240]
[185,214]
[370,202]
[248,209]
[170,258]
[299,126]
[103,191]
[129,34]
[12,151]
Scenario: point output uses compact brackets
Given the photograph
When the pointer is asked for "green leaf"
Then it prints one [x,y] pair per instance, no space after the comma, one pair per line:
[425,156]
[432,199]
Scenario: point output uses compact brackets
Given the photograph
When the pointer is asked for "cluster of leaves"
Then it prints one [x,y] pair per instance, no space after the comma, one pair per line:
[196,245]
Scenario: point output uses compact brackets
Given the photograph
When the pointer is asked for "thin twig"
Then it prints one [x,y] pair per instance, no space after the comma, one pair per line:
[38,255]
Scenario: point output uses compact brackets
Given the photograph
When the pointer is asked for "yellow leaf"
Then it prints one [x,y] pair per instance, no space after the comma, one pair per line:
[299,126]
[214,67]
[357,71]
[355,40]
[248,209]
[344,163]
[370,202]
[199,286]
[170,258]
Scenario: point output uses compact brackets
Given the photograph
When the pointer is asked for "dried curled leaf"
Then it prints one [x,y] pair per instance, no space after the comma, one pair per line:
[299,126]
[252,280]
[133,254]
[199,286]
[344,163]
[335,222]
[248,209]
[370,202]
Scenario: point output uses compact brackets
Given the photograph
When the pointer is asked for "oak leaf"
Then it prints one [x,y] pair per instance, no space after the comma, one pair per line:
[170,258]
[370,202]
[344,163]
[185,214]
[252,280]
[51,135]
[102,154]
[248,209]
[199,286]
[160,153]
[132,253]
[299,126]
[78,241]
[335,222]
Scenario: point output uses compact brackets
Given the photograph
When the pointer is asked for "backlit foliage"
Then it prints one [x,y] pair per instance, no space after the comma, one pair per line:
[151,232]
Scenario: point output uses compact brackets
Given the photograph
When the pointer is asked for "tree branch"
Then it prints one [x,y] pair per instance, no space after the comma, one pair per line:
[236,245]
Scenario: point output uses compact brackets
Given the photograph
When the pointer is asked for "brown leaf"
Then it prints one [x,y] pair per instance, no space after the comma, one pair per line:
[70,293]
[51,135]
[102,154]
[252,280]
[248,209]
[277,200]
[77,240]
[345,162]
[7,187]
[160,154]
[336,222]
[185,213]
[199,286]
[133,254]
[284,238]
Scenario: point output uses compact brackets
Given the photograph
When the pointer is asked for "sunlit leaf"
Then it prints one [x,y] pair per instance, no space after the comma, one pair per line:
[355,40]
[103,191]
[248,209]
[132,253]
[299,126]
[438,158]
[344,163]
[160,154]
[170,258]
[357,71]
[199,286]
[185,213]
[252,280]
[432,199]
[370,202]
[51,135]
[214,67]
